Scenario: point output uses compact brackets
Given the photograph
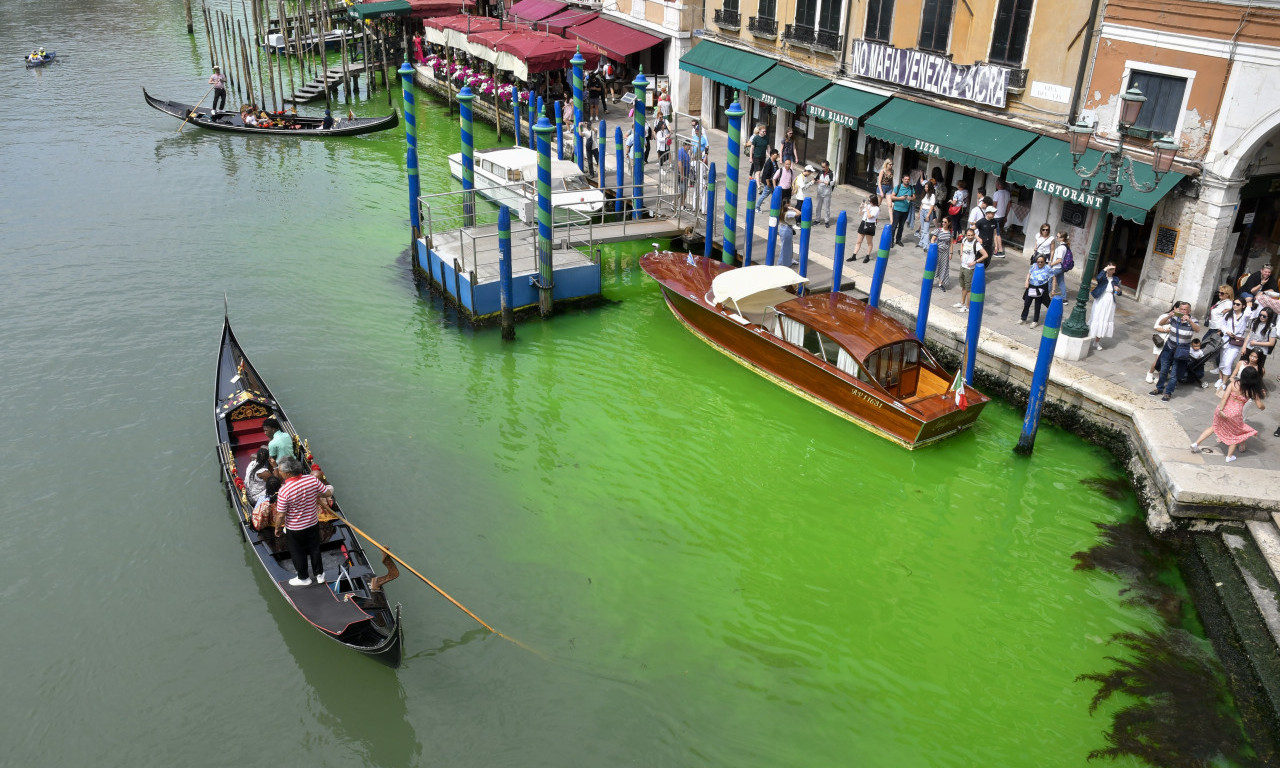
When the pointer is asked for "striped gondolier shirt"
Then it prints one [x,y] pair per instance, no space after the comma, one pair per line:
[296,501]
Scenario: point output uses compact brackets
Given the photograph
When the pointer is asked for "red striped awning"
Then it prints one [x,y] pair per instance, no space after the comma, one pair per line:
[618,41]
[536,10]
[427,9]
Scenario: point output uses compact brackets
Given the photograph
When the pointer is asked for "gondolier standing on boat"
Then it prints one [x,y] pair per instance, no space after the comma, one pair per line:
[296,503]
[219,83]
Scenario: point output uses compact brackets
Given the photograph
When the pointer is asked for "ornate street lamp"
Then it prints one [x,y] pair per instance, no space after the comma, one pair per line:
[1114,163]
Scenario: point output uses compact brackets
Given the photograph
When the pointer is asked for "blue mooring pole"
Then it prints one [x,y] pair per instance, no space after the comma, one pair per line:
[976,294]
[577,61]
[842,224]
[559,131]
[734,113]
[750,237]
[771,243]
[602,150]
[806,221]
[1040,378]
[504,273]
[619,163]
[533,142]
[411,154]
[465,97]
[637,145]
[710,209]
[882,265]
[926,290]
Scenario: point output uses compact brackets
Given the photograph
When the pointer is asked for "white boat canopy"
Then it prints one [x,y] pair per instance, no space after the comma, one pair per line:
[754,288]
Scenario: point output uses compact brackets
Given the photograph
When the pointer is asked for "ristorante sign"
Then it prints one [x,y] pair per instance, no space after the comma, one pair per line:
[979,83]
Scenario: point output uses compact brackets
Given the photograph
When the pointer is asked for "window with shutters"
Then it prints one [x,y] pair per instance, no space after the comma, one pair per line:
[879,20]
[829,15]
[1009,34]
[806,12]
[1163,107]
[935,25]
[768,9]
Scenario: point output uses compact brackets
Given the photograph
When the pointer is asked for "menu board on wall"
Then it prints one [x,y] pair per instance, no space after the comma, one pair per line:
[1166,241]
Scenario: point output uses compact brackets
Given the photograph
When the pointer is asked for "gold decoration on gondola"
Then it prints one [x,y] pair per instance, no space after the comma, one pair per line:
[248,411]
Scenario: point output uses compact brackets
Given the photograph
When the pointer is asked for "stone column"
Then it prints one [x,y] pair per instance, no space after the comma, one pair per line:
[1205,249]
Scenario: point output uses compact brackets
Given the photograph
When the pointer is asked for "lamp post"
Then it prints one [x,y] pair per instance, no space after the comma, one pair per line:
[1114,163]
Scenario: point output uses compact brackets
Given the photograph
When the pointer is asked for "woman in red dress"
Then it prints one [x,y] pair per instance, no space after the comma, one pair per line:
[1228,417]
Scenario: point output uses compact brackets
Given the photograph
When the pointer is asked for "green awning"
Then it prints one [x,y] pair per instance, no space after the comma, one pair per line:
[785,87]
[382,10]
[967,140]
[724,64]
[844,105]
[1047,167]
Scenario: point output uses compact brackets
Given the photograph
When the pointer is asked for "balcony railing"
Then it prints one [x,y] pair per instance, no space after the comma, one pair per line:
[728,19]
[763,26]
[822,39]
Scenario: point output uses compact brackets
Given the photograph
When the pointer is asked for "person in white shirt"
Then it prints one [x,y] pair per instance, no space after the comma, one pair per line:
[1001,198]
[822,201]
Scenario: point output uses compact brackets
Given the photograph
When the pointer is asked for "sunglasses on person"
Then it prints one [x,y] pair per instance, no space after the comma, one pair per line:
[1237,304]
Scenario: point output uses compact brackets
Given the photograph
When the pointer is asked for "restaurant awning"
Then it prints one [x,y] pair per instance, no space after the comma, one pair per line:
[522,51]
[618,41]
[844,105]
[724,64]
[785,87]
[567,18]
[1047,167]
[963,139]
[453,30]
[427,9]
[535,10]
[383,10]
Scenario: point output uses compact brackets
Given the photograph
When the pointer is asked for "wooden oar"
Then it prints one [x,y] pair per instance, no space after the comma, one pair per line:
[428,582]
[192,111]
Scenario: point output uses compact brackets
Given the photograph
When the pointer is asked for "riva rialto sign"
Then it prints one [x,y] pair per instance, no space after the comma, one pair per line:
[980,83]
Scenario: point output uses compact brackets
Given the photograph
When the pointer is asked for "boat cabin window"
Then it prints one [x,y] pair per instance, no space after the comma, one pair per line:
[818,344]
[896,367]
[514,174]
[486,166]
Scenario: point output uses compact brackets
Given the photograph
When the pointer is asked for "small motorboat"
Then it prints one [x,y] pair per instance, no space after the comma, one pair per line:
[33,60]
[829,348]
[509,176]
[282,124]
[352,609]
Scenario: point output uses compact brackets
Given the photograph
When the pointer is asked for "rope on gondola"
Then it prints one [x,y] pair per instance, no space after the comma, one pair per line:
[429,583]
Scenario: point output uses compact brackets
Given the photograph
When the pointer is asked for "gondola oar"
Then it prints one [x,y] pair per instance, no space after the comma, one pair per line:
[193,109]
[428,582]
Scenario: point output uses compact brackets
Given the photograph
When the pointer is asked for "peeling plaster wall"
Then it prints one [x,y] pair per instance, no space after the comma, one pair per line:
[1158,284]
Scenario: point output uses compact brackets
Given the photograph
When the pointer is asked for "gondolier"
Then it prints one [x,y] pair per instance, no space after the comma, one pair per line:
[219,83]
[296,503]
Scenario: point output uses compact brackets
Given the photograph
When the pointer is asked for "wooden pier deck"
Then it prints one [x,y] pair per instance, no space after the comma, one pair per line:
[332,77]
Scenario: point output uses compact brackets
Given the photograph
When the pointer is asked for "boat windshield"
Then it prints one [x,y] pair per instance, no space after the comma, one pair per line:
[576,183]
[896,367]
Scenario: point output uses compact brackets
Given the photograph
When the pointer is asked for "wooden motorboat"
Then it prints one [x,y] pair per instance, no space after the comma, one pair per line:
[829,348]
[509,176]
[294,125]
[352,607]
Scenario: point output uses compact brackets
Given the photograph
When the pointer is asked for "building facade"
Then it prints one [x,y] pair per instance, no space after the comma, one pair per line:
[984,89]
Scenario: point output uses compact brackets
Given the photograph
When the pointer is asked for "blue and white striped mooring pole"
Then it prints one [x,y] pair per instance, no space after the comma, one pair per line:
[749,237]
[411,152]
[1040,377]
[926,290]
[711,209]
[465,97]
[837,269]
[504,273]
[882,266]
[977,291]
[734,113]
[543,131]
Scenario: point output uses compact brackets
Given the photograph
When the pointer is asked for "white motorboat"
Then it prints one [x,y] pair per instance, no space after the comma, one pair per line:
[509,176]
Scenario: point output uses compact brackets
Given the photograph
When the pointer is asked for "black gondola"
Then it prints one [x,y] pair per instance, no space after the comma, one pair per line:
[353,609]
[295,125]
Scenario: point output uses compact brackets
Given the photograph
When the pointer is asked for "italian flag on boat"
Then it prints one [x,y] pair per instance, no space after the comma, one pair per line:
[957,387]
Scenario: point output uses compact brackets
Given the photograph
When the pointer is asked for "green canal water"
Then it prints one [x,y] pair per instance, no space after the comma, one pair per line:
[705,569]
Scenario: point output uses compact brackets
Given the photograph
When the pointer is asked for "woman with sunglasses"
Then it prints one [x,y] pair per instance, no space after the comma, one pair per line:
[1235,331]
[1262,332]
[1044,244]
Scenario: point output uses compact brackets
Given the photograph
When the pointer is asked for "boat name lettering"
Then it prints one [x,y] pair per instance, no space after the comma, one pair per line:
[859,393]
